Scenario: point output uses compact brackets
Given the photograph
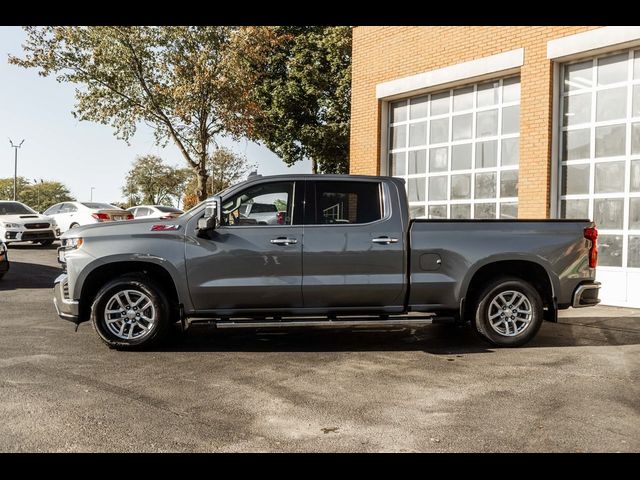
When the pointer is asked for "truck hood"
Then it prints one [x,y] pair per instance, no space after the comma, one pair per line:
[25,218]
[124,228]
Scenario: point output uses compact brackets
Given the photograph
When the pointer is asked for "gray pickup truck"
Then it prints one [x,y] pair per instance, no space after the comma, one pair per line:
[345,254]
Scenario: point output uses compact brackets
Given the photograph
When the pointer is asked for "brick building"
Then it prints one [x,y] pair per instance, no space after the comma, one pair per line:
[508,122]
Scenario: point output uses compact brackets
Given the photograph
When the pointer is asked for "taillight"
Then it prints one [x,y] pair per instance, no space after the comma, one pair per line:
[100,216]
[591,233]
[280,218]
[130,217]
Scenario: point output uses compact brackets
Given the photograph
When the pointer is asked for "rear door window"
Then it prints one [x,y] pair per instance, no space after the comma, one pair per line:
[344,203]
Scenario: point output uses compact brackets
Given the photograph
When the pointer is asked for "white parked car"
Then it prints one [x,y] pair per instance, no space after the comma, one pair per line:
[74,214]
[155,211]
[19,223]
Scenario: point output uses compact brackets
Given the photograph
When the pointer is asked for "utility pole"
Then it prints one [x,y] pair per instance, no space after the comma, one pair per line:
[15,167]
[92,189]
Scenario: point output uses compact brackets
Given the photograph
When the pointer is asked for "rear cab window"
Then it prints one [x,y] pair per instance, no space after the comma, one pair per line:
[343,202]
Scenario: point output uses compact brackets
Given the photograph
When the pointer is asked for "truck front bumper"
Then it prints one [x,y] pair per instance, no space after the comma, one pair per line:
[66,308]
[586,295]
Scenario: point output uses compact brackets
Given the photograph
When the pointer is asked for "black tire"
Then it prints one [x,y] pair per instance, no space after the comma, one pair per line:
[46,243]
[138,282]
[482,324]
[73,225]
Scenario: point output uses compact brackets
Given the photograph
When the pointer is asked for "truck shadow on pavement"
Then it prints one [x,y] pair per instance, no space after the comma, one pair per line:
[23,275]
[434,339]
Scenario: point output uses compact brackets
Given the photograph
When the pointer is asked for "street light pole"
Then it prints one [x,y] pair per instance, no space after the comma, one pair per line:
[15,167]
[92,189]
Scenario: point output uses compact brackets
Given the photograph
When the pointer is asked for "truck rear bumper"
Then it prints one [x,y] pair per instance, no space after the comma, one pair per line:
[66,308]
[586,295]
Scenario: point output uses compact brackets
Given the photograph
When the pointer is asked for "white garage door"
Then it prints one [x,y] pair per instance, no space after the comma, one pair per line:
[600,164]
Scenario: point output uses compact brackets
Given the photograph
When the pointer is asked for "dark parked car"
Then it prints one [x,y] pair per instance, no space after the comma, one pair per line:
[4,259]
[346,252]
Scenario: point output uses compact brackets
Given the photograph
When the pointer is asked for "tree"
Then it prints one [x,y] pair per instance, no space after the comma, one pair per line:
[298,84]
[39,195]
[173,78]
[152,182]
[225,169]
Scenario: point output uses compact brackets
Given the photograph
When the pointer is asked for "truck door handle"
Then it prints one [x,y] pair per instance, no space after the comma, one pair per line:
[384,240]
[284,241]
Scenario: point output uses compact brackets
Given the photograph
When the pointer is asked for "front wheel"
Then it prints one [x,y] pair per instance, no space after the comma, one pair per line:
[131,312]
[509,312]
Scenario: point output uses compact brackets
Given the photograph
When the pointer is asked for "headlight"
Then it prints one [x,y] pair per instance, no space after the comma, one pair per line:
[72,243]
[10,225]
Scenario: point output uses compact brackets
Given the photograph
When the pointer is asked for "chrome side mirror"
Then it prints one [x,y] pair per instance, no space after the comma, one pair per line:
[211,219]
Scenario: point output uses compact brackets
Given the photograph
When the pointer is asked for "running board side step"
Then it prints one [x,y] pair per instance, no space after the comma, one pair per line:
[326,323]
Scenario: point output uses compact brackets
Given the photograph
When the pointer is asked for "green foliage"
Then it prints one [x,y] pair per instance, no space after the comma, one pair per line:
[225,169]
[152,182]
[39,195]
[299,92]
[173,78]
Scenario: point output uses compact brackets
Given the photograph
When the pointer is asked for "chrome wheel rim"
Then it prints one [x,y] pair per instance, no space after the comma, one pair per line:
[510,313]
[130,315]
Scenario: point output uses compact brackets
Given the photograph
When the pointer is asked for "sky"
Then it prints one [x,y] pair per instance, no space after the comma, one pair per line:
[81,154]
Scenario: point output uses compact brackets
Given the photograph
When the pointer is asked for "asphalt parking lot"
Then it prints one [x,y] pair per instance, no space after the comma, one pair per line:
[575,388]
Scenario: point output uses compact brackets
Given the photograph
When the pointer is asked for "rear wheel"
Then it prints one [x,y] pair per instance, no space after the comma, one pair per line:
[73,225]
[508,312]
[131,312]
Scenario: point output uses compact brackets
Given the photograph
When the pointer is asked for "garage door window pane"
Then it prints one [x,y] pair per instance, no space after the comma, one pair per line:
[574,209]
[510,151]
[398,111]
[511,90]
[509,183]
[463,99]
[437,188]
[418,134]
[462,126]
[486,154]
[575,179]
[417,161]
[511,119]
[460,210]
[437,211]
[610,250]
[438,159]
[488,94]
[416,189]
[612,69]
[484,210]
[610,140]
[509,211]
[419,107]
[576,144]
[636,65]
[634,251]
[398,136]
[635,109]
[611,104]
[460,186]
[608,213]
[635,139]
[416,211]
[578,75]
[577,109]
[634,184]
[398,163]
[440,103]
[485,185]
[634,213]
[461,157]
[609,177]
[487,123]
[439,131]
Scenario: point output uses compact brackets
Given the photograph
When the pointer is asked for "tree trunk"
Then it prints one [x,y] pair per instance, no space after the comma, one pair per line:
[203,177]
[314,166]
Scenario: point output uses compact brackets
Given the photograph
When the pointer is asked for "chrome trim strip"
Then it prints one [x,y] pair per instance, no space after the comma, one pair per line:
[580,290]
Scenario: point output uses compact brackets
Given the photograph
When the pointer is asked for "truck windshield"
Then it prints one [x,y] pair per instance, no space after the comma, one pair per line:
[15,208]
